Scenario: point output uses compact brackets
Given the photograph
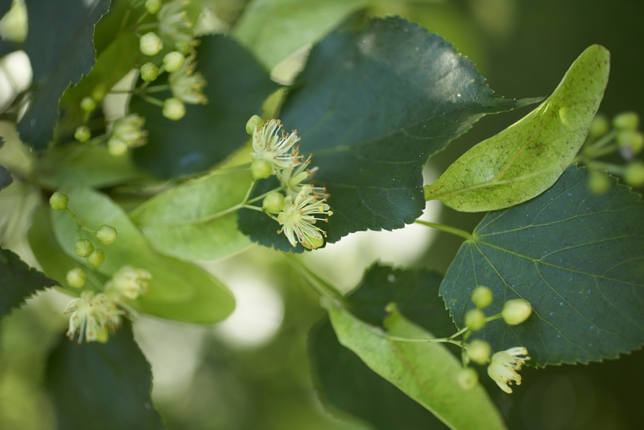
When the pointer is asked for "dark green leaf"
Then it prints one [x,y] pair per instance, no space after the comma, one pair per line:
[97,386]
[18,281]
[372,105]
[577,257]
[345,382]
[5,5]
[59,45]
[237,86]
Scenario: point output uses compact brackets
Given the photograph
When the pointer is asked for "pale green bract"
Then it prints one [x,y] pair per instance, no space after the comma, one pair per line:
[525,159]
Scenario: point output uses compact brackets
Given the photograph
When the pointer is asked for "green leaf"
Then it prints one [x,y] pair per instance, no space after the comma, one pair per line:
[197,220]
[426,372]
[178,290]
[96,386]
[91,165]
[373,104]
[237,87]
[577,257]
[274,29]
[528,157]
[370,397]
[5,175]
[61,51]
[18,281]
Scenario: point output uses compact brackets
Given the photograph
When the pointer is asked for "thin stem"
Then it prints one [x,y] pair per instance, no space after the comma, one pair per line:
[80,226]
[591,150]
[411,340]
[254,199]
[319,284]
[152,100]
[446,228]
[157,88]
[148,26]
[458,333]
[255,208]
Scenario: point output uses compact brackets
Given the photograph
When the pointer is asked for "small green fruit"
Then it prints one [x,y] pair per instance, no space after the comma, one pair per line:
[58,201]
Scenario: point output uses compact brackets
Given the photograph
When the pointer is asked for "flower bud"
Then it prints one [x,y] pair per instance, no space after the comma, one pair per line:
[116,147]
[173,61]
[88,104]
[97,258]
[261,169]
[599,126]
[479,351]
[183,46]
[482,297]
[634,174]
[174,109]
[98,93]
[598,182]
[106,234]
[82,133]
[273,202]
[58,201]
[467,378]
[149,72]
[153,6]
[76,277]
[83,248]
[474,319]
[150,44]
[253,124]
[516,311]
[630,143]
[626,121]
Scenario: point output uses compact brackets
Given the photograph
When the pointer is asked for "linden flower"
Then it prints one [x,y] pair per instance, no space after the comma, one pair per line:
[127,282]
[174,24]
[186,85]
[269,146]
[292,178]
[504,366]
[299,216]
[129,130]
[91,315]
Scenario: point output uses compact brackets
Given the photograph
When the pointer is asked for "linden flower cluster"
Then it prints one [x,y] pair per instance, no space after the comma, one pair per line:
[93,315]
[504,365]
[304,205]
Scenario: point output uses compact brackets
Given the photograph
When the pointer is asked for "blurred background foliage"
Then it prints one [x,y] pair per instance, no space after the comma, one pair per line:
[252,371]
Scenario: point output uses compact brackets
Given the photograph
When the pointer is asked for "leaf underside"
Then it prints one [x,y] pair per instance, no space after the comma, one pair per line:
[372,105]
[577,257]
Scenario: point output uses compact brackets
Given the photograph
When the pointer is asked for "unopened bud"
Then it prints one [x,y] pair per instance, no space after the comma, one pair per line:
[467,378]
[150,44]
[626,121]
[273,202]
[598,182]
[149,72]
[474,319]
[174,109]
[183,47]
[261,169]
[630,143]
[116,147]
[599,126]
[98,93]
[58,201]
[76,277]
[153,6]
[173,61]
[479,351]
[106,234]
[97,258]
[516,311]
[634,174]
[88,104]
[83,248]
[253,124]
[482,297]
[82,133]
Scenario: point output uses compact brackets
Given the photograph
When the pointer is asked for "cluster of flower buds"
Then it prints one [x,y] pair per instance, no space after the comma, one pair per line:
[624,138]
[127,132]
[504,365]
[303,205]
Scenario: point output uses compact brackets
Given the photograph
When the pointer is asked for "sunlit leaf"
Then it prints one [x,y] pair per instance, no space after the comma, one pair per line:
[237,87]
[60,48]
[372,105]
[178,290]
[18,281]
[98,386]
[525,159]
[424,371]
[577,257]
[197,220]
[274,29]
